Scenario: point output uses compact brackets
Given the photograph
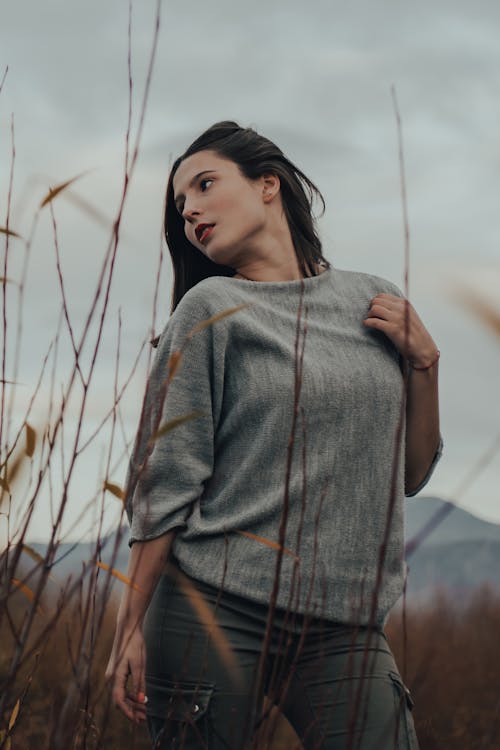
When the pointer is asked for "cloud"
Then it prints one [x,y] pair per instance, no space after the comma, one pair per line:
[316,79]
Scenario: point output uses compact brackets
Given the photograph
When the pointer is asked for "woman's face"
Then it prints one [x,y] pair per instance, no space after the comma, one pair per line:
[209,189]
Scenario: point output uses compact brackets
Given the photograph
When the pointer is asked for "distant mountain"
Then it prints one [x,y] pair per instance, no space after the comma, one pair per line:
[459,554]
[73,558]
[458,525]
[459,566]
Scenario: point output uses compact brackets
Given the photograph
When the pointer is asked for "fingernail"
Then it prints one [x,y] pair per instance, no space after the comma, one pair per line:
[142,698]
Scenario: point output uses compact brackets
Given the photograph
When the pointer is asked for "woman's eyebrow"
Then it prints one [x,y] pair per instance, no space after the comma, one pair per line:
[181,195]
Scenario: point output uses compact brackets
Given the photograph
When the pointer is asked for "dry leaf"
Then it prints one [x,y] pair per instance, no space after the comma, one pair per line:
[486,313]
[267,542]
[7,479]
[10,232]
[476,304]
[207,618]
[214,318]
[53,192]
[14,714]
[116,573]
[173,363]
[36,556]
[14,465]
[25,589]
[90,210]
[175,422]
[28,593]
[30,439]
[33,553]
[115,490]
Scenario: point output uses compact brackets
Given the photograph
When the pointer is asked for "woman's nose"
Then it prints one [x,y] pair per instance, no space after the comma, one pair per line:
[189,212]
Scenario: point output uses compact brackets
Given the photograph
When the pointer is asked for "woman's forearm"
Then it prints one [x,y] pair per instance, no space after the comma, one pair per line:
[422,424]
[146,563]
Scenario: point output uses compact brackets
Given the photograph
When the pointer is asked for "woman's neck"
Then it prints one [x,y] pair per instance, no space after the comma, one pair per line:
[319,269]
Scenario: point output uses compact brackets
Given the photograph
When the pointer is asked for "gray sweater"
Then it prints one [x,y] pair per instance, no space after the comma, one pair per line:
[220,478]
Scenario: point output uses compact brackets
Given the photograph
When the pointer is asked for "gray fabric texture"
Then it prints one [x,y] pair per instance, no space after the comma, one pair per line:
[222,478]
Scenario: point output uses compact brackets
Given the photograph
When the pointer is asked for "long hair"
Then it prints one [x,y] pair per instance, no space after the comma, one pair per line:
[255,156]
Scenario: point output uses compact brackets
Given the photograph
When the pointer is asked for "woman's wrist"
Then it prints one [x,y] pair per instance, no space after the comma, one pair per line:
[426,363]
[131,613]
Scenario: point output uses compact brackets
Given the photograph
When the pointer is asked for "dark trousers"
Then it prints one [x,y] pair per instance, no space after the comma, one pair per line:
[206,676]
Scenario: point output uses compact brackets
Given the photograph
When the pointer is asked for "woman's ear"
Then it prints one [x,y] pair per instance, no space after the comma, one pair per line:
[270,185]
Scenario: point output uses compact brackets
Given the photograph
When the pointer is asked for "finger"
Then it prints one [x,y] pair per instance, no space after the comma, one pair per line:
[138,677]
[137,707]
[138,700]
[381,324]
[133,709]
[389,297]
[138,697]
[391,302]
[382,315]
[381,302]
[127,710]
[119,694]
[379,311]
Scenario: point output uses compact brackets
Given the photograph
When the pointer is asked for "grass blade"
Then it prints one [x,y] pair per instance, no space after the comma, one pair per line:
[116,573]
[53,192]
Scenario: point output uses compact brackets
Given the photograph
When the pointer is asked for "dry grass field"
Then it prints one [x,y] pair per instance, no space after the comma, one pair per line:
[451,663]
[54,645]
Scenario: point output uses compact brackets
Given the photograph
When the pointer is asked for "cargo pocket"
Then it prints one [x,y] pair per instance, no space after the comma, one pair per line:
[407,737]
[178,713]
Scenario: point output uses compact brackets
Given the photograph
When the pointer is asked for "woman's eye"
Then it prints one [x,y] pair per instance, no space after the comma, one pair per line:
[180,208]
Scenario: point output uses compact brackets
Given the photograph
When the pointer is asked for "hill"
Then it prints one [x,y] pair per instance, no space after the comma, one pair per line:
[460,553]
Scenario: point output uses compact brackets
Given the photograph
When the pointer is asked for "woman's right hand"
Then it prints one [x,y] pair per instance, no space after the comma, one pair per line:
[128,656]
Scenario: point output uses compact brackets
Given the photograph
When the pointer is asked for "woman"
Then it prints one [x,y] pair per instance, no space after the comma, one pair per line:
[267,525]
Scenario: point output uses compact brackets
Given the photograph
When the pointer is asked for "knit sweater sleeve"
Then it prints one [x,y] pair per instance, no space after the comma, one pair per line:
[393,289]
[167,472]
[430,470]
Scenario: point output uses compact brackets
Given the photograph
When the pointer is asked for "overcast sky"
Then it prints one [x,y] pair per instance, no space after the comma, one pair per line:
[314,77]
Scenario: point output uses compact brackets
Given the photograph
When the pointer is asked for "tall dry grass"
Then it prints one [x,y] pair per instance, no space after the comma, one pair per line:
[453,663]
[79,616]
[452,668]
[55,645]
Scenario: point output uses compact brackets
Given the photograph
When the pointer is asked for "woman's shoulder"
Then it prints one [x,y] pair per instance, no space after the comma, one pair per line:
[203,301]
[368,283]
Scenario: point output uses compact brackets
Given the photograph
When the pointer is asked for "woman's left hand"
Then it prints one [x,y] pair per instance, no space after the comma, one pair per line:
[387,314]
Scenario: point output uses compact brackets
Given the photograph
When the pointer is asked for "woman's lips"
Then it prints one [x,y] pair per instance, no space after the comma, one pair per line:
[206,233]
